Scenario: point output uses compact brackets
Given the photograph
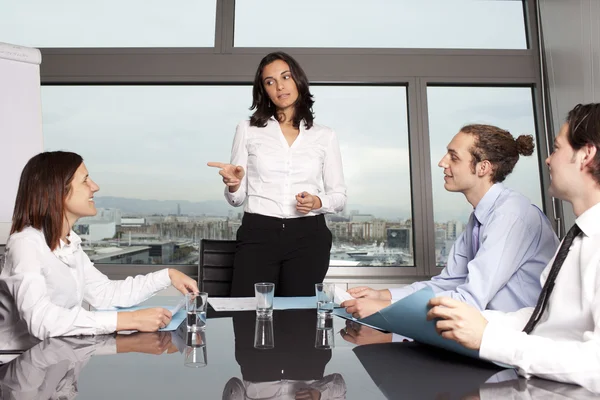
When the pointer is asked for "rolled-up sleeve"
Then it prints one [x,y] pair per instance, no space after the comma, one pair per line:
[101,292]
[239,156]
[334,198]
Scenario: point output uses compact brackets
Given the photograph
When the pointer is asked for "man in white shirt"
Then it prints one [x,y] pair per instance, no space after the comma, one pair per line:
[560,338]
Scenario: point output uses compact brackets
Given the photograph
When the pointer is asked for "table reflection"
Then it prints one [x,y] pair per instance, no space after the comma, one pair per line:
[292,369]
[410,370]
[50,369]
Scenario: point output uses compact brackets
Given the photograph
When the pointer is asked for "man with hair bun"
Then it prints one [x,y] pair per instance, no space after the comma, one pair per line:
[497,261]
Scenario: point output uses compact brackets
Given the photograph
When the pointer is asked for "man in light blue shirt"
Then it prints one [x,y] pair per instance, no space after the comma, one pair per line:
[497,261]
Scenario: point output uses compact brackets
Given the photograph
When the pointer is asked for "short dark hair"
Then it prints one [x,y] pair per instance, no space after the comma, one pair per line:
[43,189]
[262,103]
[498,147]
[584,129]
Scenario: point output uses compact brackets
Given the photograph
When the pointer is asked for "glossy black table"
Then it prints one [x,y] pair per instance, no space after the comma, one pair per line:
[90,368]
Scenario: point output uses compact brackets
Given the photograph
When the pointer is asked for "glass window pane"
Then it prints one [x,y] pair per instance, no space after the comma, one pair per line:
[158,198]
[450,108]
[108,23]
[460,24]
[376,226]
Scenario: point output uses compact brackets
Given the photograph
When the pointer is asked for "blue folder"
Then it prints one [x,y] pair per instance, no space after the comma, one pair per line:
[408,317]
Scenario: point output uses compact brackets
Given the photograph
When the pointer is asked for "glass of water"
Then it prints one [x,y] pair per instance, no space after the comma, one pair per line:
[325,296]
[196,305]
[264,292]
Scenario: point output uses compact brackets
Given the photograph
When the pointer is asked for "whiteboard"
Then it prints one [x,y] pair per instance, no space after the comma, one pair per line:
[20,122]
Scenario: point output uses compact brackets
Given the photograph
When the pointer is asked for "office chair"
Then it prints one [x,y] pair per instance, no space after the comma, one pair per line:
[215,269]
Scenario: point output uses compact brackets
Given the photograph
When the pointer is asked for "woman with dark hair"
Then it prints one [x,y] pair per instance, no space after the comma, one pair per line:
[288,172]
[47,273]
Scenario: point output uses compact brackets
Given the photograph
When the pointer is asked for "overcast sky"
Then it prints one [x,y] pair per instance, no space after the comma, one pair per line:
[309,23]
[153,142]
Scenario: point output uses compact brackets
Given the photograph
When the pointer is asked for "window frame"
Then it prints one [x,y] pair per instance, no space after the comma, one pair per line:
[225,64]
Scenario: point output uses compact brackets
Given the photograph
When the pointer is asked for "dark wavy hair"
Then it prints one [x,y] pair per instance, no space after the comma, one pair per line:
[584,128]
[265,109]
[499,147]
[43,189]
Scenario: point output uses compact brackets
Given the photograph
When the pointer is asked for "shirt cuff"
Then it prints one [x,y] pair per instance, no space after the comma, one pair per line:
[500,344]
[325,203]
[163,280]
[397,293]
[399,338]
[236,198]
[106,322]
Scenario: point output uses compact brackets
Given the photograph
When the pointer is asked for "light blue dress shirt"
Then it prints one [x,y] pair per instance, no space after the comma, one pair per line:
[516,242]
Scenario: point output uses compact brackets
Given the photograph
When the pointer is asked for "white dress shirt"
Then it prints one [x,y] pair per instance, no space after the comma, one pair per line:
[276,172]
[48,287]
[565,344]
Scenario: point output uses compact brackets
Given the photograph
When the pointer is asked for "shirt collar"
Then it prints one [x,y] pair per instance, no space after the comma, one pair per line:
[482,211]
[588,221]
[64,250]
[273,119]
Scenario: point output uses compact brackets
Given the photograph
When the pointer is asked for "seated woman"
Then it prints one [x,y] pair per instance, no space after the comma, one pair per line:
[47,273]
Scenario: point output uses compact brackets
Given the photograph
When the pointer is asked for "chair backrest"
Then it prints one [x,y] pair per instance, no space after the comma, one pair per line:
[215,269]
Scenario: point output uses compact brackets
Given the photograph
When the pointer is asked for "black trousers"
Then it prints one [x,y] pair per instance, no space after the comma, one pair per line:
[293,253]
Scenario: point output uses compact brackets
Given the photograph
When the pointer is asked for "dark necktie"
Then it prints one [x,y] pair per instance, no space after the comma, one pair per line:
[475,235]
[549,285]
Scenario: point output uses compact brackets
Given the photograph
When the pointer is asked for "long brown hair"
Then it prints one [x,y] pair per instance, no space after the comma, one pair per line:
[499,147]
[43,188]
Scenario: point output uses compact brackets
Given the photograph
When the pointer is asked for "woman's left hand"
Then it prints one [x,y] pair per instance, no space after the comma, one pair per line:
[182,282]
[306,202]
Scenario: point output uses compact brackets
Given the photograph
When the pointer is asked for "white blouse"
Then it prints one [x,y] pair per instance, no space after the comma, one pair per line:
[48,287]
[276,172]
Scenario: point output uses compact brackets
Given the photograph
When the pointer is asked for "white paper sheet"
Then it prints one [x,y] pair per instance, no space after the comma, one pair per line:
[232,303]
[340,296]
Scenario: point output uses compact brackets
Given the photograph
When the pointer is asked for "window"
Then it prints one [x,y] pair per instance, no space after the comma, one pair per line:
[146,118]
[459,24]
[157,197]
[376,226]
[450,108]
[108,23]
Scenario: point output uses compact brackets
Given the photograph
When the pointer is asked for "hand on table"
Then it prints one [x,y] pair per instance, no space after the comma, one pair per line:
[361,308]
[146,320]
[368,293]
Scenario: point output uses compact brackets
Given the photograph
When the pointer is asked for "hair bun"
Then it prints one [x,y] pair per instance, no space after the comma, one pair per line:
[525,145]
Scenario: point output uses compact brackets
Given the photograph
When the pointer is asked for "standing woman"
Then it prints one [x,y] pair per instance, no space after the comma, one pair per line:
[288,171]
[47,275]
